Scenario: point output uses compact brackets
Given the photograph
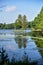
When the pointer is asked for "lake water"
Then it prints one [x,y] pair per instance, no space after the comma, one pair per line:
[17,45]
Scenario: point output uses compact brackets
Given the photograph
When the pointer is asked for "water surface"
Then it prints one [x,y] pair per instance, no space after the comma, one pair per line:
[17,45]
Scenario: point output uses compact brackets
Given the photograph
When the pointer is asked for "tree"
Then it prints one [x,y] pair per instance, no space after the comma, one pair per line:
[24,22]
[38,21]
[18,22]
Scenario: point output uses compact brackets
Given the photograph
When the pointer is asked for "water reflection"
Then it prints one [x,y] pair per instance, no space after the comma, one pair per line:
[39,44]
[37,33]
[17,44]
[21,41]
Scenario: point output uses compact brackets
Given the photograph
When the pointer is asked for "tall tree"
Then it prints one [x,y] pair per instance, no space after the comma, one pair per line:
[24,22]
[18,22]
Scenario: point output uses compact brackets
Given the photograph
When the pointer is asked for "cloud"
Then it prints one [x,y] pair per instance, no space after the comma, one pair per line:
[10,8]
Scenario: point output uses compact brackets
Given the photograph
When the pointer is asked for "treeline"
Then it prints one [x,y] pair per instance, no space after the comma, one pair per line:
[6,26]
[22,22]
[4,59]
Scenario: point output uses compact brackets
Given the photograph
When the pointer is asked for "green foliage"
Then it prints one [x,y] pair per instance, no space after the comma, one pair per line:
[7,26]
[18,22]
[21,22]
[38,21]
[24,22]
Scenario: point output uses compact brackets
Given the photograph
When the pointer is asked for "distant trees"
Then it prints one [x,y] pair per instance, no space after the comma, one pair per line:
[7,26]
[1,26]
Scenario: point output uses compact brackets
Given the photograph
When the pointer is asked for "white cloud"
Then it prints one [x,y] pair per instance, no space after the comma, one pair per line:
[10,8]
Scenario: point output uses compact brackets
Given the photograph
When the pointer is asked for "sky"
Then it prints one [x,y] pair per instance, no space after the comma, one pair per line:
[10,9]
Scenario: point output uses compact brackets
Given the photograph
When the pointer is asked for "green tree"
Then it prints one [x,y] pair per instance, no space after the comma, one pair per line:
[24,22]
[18,22]
[38,21]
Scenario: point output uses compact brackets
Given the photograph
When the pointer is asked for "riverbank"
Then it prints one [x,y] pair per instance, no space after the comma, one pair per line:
[33,29]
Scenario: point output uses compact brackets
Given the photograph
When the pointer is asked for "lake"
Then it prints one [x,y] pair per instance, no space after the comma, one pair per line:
[18,44]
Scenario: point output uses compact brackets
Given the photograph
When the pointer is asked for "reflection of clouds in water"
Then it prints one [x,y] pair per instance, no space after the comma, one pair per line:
[11,47]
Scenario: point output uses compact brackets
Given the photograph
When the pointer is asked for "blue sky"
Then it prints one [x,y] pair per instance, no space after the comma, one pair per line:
[10,9]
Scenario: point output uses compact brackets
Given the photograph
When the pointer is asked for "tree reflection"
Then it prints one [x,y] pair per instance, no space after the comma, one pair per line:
[21,41]
[37,33]
[39,44]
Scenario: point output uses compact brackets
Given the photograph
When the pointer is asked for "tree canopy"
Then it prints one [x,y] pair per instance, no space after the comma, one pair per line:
[38,21]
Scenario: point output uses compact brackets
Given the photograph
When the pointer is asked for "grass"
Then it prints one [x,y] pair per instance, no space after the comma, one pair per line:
[40,38]
[33,29]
